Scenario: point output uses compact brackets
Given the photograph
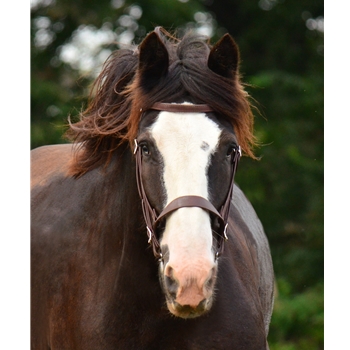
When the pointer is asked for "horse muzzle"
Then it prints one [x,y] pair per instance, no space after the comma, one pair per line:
[187,311]
[188,296]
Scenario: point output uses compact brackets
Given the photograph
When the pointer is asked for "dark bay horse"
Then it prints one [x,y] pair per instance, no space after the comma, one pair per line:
[139,239]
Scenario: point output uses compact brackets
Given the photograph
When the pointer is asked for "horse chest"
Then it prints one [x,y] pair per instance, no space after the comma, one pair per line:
[140,320]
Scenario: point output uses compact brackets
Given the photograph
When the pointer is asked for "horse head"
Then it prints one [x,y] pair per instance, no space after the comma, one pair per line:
[186,153]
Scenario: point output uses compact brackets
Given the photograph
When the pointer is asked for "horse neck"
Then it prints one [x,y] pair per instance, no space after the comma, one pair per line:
[127,232]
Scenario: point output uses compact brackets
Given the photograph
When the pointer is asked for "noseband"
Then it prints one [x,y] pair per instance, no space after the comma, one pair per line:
[152,219]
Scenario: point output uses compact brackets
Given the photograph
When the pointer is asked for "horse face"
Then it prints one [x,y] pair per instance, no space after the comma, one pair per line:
[186,154]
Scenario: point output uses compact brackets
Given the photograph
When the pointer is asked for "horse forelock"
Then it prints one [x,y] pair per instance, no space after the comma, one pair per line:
[118,99]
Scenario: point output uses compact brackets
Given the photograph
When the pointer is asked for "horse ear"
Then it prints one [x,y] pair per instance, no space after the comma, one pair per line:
[224,57]
[153,61]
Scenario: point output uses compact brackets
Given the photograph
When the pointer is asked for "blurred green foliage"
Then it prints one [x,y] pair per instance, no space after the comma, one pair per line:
[281,45]
[297,323]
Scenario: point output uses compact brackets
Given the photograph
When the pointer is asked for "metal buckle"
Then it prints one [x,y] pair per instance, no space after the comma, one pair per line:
[136,146]
[149,234]
[225,232]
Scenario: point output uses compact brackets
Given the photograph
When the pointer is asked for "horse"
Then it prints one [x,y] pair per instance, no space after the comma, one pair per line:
[140,239]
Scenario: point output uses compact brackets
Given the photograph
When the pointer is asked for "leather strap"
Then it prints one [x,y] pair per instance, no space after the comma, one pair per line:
[149,213]
[200,202]
[182,108]
[188,201]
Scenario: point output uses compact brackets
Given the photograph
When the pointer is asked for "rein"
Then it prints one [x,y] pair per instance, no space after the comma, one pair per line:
[152,218]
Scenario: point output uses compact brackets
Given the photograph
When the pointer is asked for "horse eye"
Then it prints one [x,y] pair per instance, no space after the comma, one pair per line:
[230,150]
[145,150]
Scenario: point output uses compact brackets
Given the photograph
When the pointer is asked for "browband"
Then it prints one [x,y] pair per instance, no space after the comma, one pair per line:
[181,108]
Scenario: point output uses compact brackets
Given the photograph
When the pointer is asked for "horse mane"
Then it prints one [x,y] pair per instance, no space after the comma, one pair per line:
[118,98]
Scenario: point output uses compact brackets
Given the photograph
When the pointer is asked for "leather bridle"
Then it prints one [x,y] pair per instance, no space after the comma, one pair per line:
[152,218]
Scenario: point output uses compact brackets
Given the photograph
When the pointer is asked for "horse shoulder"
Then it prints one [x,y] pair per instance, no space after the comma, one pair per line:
[243,207]
[53,209]
[48,161]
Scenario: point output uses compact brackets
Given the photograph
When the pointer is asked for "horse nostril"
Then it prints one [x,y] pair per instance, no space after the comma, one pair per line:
[171,286]
[209,284]
[201,306]
[211,280]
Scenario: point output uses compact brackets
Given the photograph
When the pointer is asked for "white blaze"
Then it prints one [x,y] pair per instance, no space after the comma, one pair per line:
[186,142]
